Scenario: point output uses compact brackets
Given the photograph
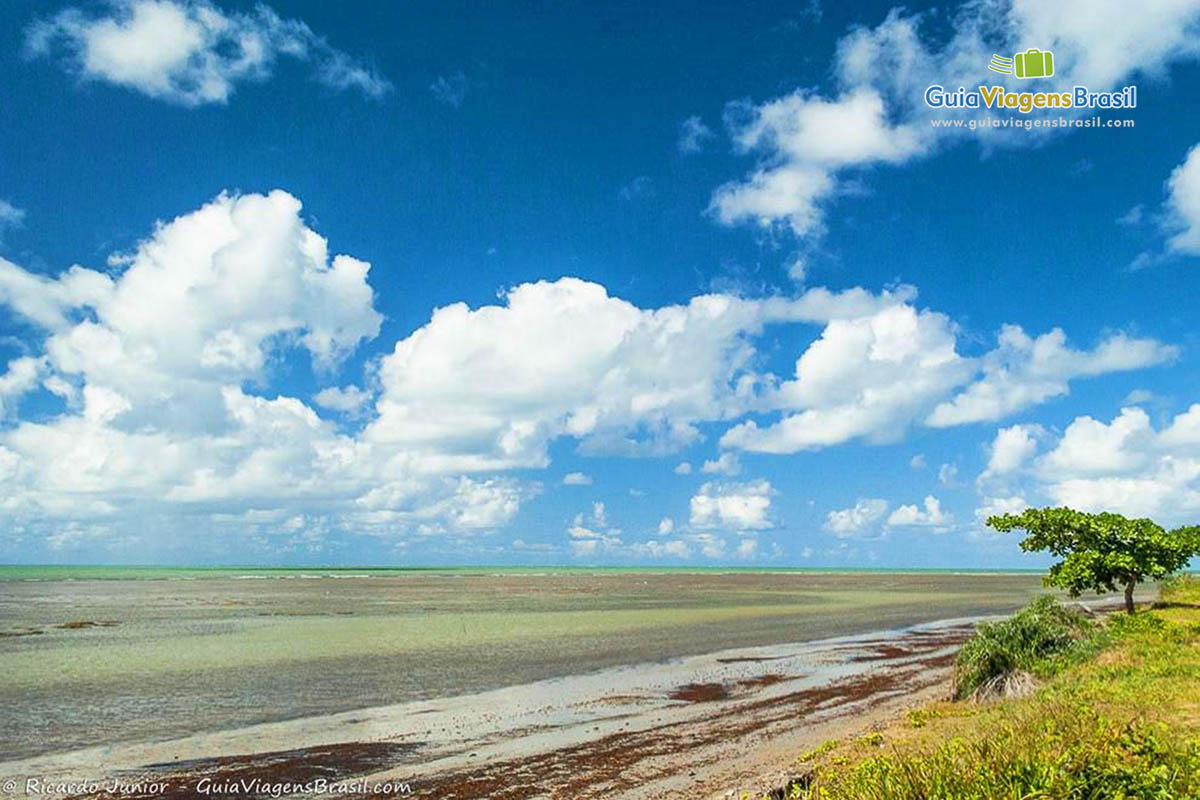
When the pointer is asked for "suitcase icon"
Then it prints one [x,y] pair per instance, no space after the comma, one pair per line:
[1034,63]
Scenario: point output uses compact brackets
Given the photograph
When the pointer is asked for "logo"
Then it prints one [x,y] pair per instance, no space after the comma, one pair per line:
[1033,63]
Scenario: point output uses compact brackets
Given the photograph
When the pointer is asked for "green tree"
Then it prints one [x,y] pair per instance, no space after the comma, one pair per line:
[1102,551]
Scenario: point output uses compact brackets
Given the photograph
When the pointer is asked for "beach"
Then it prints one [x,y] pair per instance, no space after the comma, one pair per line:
[442,679]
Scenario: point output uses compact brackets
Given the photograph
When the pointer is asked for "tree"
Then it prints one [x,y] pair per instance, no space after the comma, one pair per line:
[1101,551]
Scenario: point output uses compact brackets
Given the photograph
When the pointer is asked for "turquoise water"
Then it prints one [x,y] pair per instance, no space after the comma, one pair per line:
[55,572]
[96,655]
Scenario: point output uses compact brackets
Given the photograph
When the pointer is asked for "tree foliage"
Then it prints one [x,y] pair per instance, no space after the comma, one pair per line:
[1102,552]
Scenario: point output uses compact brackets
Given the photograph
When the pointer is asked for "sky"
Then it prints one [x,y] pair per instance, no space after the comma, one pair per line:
[658,283]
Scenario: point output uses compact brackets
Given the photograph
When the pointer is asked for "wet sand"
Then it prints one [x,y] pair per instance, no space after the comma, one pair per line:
[85,662]
[697,726]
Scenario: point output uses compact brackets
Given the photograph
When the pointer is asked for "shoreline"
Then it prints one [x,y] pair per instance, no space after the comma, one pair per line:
[572,730]
[101,662]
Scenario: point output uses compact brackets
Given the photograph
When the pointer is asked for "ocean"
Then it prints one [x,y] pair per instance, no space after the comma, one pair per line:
[103,655]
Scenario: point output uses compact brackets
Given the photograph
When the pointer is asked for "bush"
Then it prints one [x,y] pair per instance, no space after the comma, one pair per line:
[1002,654]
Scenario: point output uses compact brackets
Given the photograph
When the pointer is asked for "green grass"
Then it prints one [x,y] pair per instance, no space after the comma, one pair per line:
[1117,715]
[1028,642]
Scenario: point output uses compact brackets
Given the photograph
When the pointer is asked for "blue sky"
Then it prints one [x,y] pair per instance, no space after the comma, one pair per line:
[636,220]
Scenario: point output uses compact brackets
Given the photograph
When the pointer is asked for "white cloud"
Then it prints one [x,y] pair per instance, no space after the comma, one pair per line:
[865,377]
[1024,371]
[693,134]
[1180,215]
[150,363]
[917,461]
[577,479]
[489,388]
[190,52]
[808,144]
[200,304]
[592,535]
[733,506]
[348,399]
[747,548]
[10,217]
[683,468]
[1183,203]
[162,366]
[808,138]
[996,506]
[948,475]
[673,548]
[1012,448]
[21,376]
[931,515]
[725,464]
[1126,465]
[1089,447]
[711,545]
[871,375]
[848,522]
[666,526]
[1099,43]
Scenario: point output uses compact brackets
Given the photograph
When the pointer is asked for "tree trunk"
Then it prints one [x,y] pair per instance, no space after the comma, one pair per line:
[1129,597]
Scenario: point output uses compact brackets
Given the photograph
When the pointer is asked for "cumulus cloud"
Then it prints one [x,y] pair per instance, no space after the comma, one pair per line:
[656,549]
[807,138]
[591,535]
[874,372]
[577,479]
[347,399]
[21,376]
[808,144]
[1023,371]
[152,364]
[161,369]
[1012,448]
[725,464]
[848,522]
[996,506]
[1179,218]
[929,515]
[1090,447]
[1125,465]
[865,377]
[1183,203]
[190,52]
[489,388]
[733,506]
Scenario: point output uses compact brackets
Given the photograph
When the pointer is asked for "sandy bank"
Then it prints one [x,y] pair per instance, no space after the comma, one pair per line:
[714,722]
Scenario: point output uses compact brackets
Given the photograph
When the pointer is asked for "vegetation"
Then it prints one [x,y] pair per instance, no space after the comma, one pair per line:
[1118,716]
[1102,551]
[1001,654]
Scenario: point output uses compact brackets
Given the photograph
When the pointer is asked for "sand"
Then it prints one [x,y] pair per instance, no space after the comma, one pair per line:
[697,726]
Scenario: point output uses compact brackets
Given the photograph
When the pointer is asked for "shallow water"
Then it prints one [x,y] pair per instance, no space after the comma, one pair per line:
[218,650]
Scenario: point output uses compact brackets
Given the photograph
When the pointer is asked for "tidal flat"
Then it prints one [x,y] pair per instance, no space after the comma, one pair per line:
[96,658]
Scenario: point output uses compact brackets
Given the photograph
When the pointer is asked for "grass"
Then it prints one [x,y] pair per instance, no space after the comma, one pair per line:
[1002,653]
[1116,714]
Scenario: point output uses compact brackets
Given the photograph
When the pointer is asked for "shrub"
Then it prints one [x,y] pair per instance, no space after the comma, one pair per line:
[1001,654]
